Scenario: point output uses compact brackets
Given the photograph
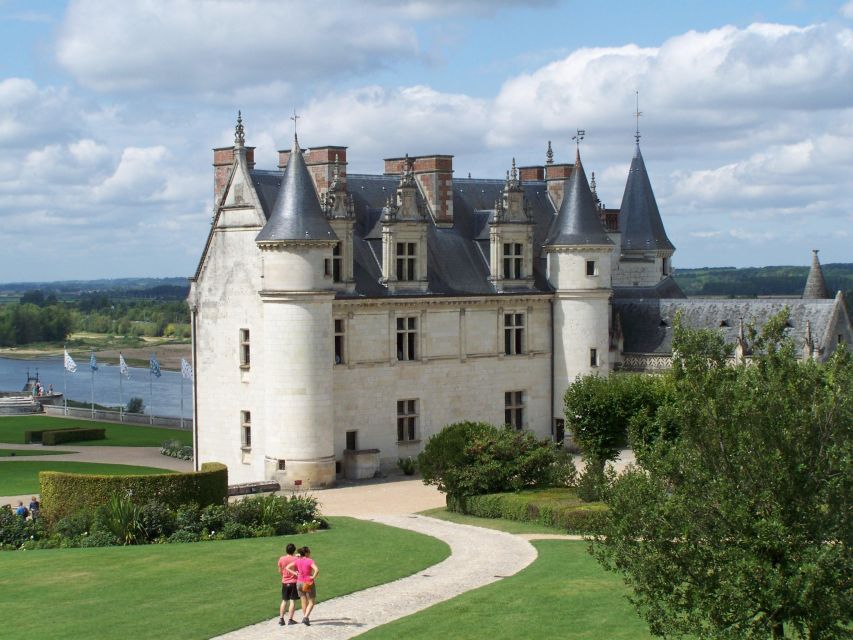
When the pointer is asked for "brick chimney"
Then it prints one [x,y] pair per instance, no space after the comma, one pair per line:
[531,174]
[434,175]
[223,160]
[321,164]
[555,177]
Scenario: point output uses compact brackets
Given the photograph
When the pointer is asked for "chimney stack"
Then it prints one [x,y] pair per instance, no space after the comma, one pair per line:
[223,160]
[434,175]
[321,164]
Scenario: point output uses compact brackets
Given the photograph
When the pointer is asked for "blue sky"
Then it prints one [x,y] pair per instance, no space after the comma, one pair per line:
[108,112]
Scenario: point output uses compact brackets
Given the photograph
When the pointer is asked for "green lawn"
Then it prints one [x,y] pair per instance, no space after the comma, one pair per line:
[564,594]
[12,453]
[17,478]
[193,590]
[118,435]
[510,526]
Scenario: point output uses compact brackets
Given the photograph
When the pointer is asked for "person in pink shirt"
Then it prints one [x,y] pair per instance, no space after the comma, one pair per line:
[305,570]
[288,586]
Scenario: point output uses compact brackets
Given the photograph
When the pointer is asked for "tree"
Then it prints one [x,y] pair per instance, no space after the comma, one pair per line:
[739,523]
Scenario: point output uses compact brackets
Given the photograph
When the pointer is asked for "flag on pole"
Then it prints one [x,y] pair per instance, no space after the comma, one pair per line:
[186,369]
[93,364]
[122,366]
[155,366]
[70,365]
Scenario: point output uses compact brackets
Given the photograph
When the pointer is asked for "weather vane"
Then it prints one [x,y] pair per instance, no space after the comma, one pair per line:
[294,117]
[637,115]
[579,136]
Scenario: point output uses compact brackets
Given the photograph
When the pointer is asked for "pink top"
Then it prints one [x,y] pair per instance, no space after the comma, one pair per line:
[286,576]
[303,568]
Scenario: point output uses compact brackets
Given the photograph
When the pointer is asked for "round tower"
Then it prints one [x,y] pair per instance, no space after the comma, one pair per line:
[298,346]
[578,252]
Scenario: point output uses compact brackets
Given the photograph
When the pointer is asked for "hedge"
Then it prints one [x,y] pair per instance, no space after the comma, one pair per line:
[527,507]
[64,494]
[35,436]
[54,437]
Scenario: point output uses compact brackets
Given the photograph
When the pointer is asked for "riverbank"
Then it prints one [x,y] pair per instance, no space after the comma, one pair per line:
[106,348]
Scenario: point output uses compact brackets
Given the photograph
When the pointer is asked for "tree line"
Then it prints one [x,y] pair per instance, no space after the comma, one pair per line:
[40,316]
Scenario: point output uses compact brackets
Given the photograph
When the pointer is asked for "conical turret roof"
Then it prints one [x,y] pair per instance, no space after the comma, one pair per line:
[639,218]
[296,214]
[815,284]
[577,222]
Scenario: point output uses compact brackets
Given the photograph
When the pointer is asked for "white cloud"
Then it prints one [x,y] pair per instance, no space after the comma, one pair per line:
[846,10]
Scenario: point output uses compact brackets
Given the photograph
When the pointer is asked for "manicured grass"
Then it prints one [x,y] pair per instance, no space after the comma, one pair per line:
[13,453]
[118,435]
[195,590]
[23,477]
[564,594]
[510,526]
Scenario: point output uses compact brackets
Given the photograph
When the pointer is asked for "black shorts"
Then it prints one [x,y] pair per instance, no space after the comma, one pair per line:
[288,591]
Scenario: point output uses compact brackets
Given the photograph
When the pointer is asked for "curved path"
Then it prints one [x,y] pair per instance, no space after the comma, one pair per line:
[478,557]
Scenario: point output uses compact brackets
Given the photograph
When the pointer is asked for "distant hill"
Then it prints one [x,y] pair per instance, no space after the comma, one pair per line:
[750,282]
[143,288]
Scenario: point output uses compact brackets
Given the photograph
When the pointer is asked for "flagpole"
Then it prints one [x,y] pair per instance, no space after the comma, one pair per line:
[151,396]
[120,391]
[182,399]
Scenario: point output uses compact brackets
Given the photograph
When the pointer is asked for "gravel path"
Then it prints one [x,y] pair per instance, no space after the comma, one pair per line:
[478,557]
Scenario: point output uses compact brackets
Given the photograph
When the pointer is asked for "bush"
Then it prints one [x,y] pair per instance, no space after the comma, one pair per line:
[302,509]
[157,520]
[121,518]
[135,405]
[54,437]
[74,525]
[182,535]
[467,459]
[99,538]
[35,436]
[233,530]
[67,493]
[176,449]
[213,517]
[14,530]
[188,518]
[592,482]
[558,512]
[407,465]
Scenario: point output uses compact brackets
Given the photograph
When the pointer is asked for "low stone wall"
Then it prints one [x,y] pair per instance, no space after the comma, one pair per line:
[116,416]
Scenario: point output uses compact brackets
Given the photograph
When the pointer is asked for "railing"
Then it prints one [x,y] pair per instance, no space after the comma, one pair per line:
[102,415]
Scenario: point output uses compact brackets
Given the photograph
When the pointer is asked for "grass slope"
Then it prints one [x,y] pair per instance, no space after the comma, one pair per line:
[564,594]
[118,435]
[193,590]
[509,526]
[23,477]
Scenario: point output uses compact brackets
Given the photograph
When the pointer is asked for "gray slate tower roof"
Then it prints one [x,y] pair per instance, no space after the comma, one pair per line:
[577,222]
[296,214]
[815,284]
[639,218]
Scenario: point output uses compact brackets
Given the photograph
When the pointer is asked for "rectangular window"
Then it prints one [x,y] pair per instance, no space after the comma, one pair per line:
[590,268]
[407,338]
[513,260]
[337,263]
[514,409]
[246,429]
[513,334]
[406,261]
[352,440]
[339,341]
[245,351]
[559,430]
[407,420]
[593,357]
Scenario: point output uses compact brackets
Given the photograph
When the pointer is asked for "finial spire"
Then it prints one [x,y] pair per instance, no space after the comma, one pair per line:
[514,172]
[239,132]
[637,114]
[549,154]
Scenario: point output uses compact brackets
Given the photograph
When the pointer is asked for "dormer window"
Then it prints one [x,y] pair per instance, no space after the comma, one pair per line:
[513,260]
[407,261]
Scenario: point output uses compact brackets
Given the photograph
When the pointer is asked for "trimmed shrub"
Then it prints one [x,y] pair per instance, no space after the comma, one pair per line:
[533,507]
[54,437]
[35,436]
[63,494]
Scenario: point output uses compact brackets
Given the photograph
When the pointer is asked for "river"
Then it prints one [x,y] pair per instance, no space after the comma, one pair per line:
[166,399]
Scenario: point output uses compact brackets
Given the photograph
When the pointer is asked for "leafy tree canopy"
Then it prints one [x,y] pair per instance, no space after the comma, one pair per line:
[739,523]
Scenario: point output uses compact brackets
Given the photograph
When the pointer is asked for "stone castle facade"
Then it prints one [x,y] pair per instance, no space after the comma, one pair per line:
[336,312]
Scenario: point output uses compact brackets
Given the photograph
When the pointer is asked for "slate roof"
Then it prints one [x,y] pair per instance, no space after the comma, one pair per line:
[815,284]
[577,222]
[457,257]
[647,324]
[295,213]
[666,288]
[639,219]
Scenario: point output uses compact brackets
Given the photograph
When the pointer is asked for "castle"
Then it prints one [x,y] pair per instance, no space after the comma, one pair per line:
[335,312]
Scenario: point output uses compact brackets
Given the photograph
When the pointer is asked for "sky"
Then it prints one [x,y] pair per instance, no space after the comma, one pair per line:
[109,111]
